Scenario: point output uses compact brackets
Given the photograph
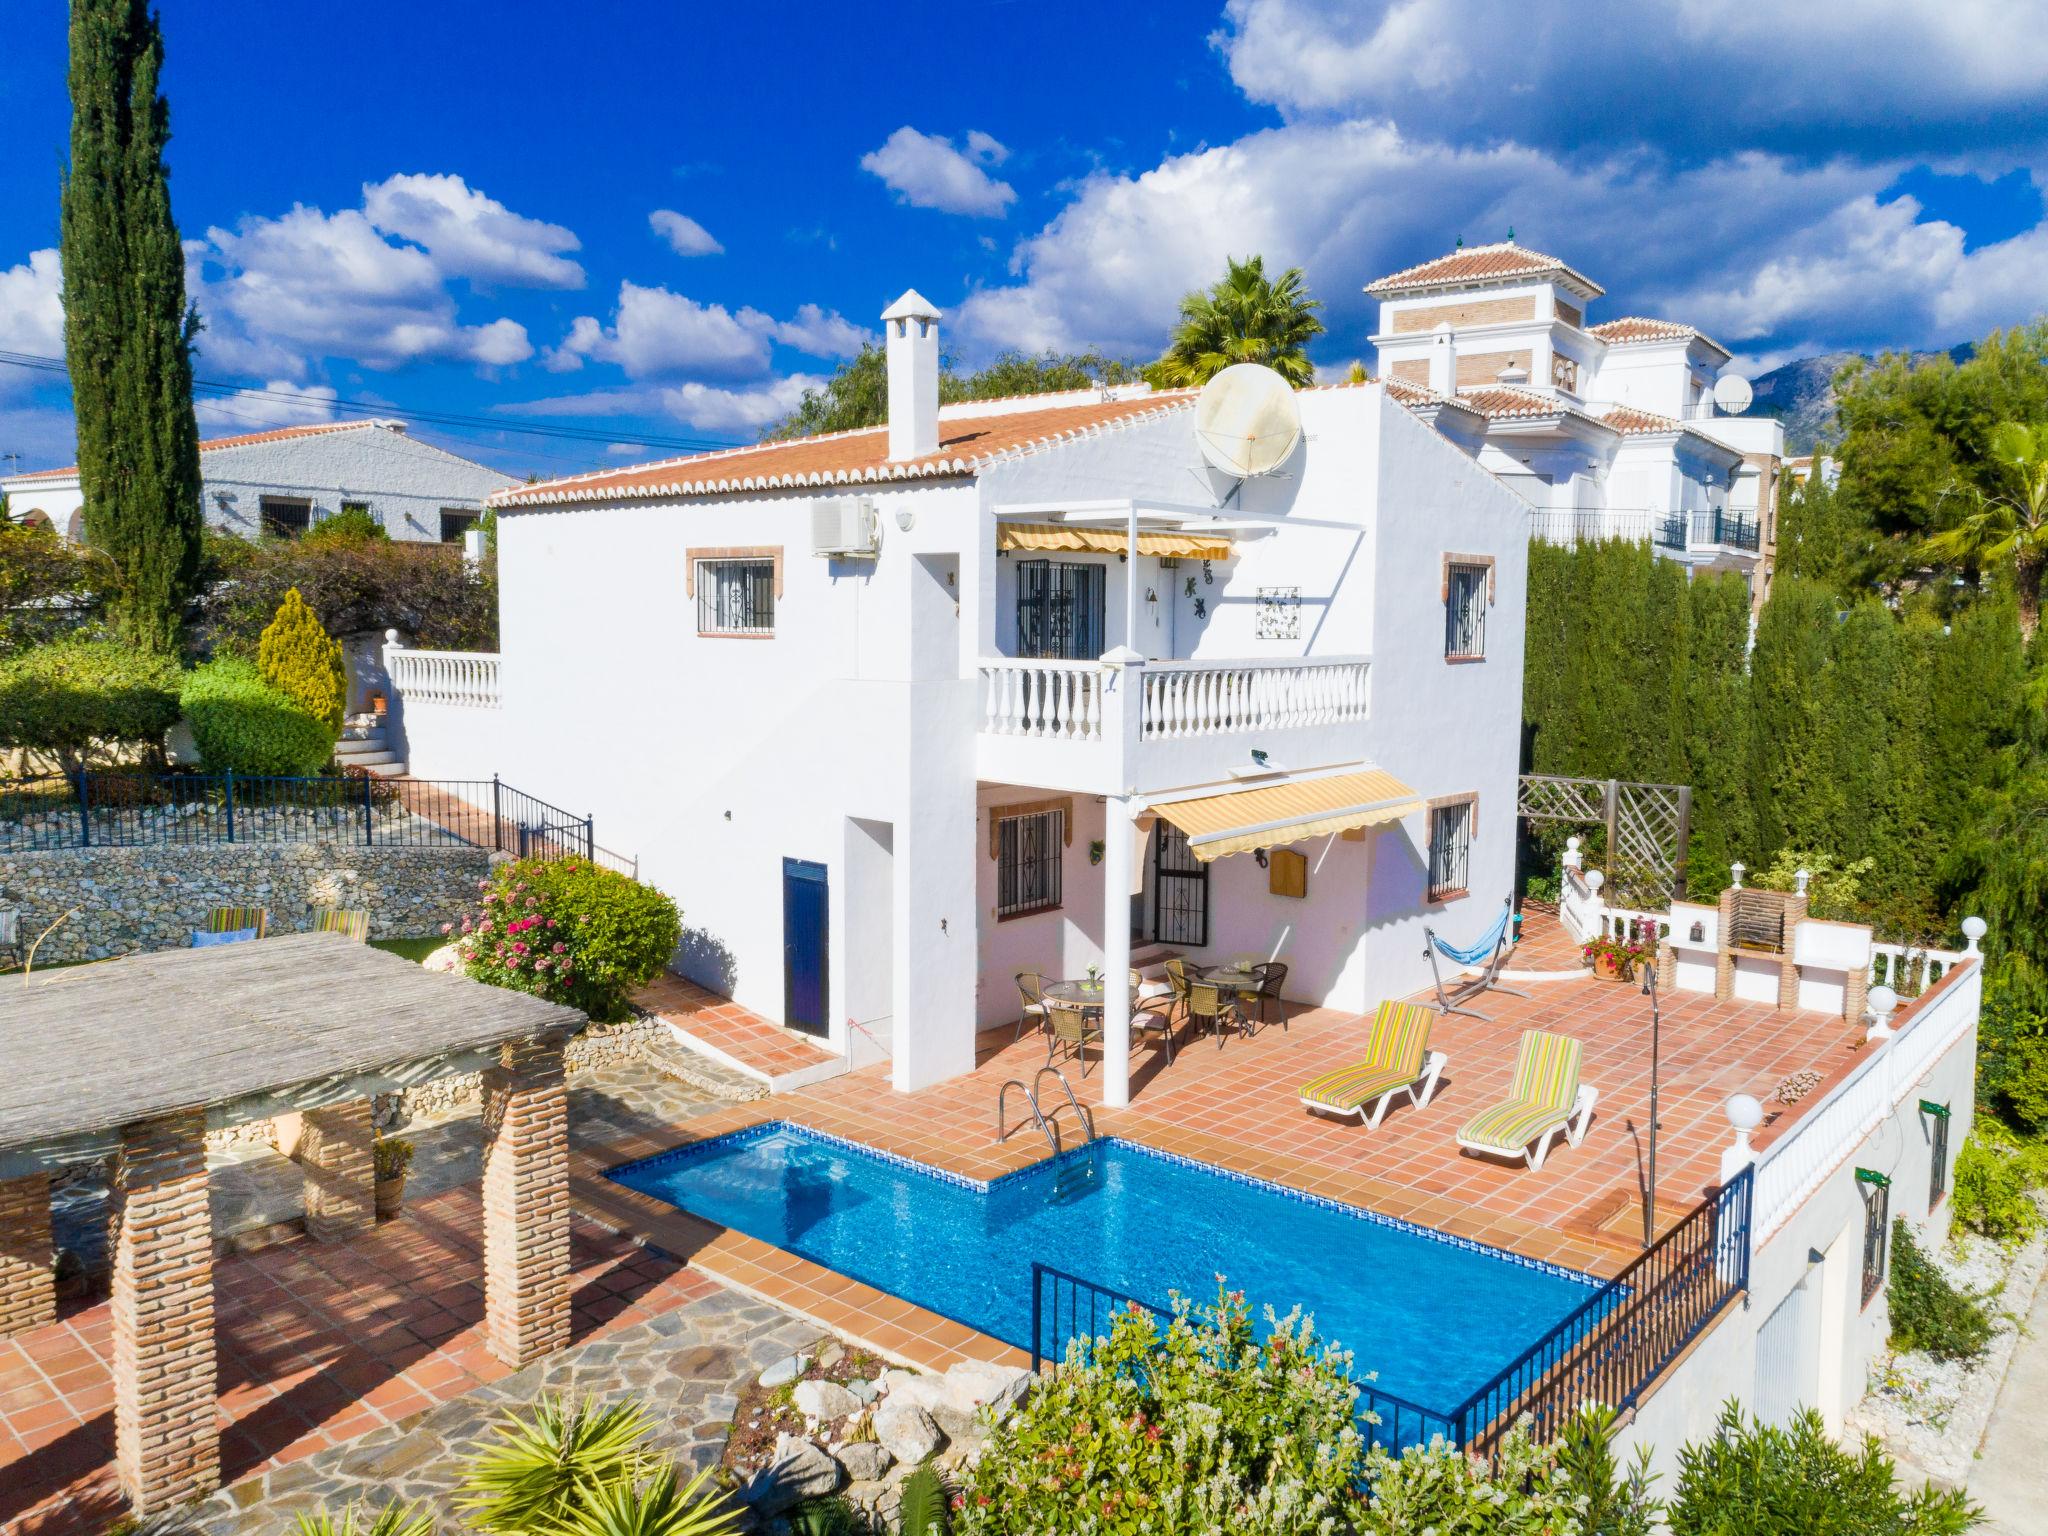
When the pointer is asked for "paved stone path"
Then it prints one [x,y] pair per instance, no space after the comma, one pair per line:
[686,1366]
[2011,1475]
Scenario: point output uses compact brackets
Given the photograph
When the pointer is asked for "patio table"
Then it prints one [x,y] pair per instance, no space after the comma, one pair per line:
[1086,993]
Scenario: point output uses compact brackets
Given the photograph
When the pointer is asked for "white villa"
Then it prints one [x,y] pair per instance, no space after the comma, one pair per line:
[895,714]
[1606,430]
[281,482]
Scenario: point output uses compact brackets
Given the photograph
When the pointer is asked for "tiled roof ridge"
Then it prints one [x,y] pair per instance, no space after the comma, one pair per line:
[595,484]
[1473,263]
[1636,330]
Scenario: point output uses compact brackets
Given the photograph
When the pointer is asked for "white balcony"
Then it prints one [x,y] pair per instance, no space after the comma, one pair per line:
[1109,726]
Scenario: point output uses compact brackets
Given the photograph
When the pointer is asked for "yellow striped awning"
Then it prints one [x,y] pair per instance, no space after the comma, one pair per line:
[1111,541]
[1269,815]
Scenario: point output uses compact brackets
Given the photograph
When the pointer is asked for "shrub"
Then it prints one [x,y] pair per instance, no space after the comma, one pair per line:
[391,1520]
[243,725]
[1991,1186]
[569,931]
[1201,1429]
[73,698]
[1927,1311]
[49,589]
[1572,1485]
[296,657]
[350,524]
[353,585]
[1755,1479]
[393,1156]
[542,1464]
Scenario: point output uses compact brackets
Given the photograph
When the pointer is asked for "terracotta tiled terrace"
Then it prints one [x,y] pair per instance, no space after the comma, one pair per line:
[318,1343]
[1236,1107]
[743,1038]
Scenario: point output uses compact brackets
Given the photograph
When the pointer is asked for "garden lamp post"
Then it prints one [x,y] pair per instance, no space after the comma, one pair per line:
[1656,1032]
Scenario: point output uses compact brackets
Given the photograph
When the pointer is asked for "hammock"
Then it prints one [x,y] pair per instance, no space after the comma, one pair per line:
[1474,954]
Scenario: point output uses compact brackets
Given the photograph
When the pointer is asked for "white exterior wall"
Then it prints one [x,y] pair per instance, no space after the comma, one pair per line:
[405,482]
[1820,1248]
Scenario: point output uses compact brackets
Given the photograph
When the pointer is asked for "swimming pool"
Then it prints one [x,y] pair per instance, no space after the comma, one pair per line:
[1435,1316]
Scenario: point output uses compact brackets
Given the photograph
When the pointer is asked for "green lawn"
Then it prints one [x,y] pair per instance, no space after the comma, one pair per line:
[414,950]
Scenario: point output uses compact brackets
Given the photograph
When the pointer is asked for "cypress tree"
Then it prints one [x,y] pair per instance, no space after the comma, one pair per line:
[298,658]
[127,327]
[1791,775]
[1717,732]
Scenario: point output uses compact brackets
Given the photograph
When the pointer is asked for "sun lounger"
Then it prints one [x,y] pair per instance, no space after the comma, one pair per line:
[1397,1060]
[349,922]
[1545,1098]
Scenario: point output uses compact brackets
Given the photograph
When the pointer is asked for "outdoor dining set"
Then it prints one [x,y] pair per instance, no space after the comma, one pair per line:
[1242,995]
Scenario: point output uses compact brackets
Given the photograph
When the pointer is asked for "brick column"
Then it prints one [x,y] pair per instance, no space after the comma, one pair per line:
[28,1276]
[1724,955]
[526,1203]
[1788,968]
[1856,994]
[334,1152]
[166,1437]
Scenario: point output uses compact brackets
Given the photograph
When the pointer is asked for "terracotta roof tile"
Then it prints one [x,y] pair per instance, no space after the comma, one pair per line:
[1635,329]
[242,440]
[966,444]
[1631,422]
[1478,263]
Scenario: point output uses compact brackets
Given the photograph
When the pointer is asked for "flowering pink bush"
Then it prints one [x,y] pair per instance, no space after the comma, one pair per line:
[568,931]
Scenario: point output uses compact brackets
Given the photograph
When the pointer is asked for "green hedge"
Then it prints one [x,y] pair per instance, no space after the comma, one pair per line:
[243,725]
[571,932]
[71,697]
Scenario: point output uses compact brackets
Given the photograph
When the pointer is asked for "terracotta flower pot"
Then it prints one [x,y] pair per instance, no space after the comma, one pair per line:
[390,1196]
[1610,968]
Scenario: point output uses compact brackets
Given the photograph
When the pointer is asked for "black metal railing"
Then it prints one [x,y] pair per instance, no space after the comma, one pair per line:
[1551,525]
[1695,529]
[1607,1351]
[1065,1307]
[1621,1337]
[141,810]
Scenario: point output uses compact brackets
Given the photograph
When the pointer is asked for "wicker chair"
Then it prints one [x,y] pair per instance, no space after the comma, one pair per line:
[1268,981]
[349,922]
[1177,978]
[1070,1025]
[236,919]
[1211,1008]
[1032,985]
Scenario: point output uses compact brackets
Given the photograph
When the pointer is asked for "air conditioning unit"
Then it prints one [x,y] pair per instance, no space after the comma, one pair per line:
[845,526]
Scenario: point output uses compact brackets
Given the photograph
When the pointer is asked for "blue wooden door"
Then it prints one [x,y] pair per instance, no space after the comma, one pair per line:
[805,988]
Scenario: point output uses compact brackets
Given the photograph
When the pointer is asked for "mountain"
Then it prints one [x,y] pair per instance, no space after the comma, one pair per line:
[1801,394]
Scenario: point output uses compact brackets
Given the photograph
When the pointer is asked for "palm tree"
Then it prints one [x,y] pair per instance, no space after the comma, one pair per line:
[2011,524]
[1245,318]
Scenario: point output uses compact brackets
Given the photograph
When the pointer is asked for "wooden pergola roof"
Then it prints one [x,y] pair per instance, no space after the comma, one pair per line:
[243,1030]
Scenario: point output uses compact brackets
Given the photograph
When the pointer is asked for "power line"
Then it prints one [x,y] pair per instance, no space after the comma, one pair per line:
[447,419]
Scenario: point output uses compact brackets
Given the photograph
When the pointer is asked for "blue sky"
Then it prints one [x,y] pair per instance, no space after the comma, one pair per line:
[658,222]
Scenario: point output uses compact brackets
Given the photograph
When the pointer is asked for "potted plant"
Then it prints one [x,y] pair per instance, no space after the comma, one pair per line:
[393,1155]
[1614,959]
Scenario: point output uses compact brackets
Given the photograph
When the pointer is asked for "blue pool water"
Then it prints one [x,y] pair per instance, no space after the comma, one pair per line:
[1434,1316]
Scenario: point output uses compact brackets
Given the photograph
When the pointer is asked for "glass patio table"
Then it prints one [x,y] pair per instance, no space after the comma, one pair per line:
[1088,994]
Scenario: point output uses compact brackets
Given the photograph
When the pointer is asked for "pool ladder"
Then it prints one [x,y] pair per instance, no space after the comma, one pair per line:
[1048,1127]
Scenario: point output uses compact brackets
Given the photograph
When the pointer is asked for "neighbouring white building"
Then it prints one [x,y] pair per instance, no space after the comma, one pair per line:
[281,482]
[1607,429]
[895,714]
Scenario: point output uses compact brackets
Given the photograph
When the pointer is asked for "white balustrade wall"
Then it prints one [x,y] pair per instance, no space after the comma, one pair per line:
[1056,699]
[1196,698]
[1791,1168]
[445,677]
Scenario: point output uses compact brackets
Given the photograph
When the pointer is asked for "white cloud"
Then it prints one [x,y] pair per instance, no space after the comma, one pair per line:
[819,332]
[32,308]
[712,409]
[685,236]
[926,171]
[308,284]
[657,333]
[472,235]
[252,410]
[1694,77]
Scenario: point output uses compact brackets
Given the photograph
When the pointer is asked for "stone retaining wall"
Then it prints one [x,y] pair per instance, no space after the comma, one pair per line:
[136,899]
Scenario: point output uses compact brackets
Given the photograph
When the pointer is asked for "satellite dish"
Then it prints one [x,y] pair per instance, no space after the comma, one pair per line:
[1733,394]
[1247,420]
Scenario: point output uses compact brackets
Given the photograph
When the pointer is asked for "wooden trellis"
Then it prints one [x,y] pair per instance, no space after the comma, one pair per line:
[1648,827]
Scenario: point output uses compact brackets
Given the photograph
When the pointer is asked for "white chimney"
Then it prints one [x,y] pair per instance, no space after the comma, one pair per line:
[1443,361]
[911,326]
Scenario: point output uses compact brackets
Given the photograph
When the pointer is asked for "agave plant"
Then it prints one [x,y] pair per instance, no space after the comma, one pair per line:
[658,1508]
[553,1462]
[391,1520]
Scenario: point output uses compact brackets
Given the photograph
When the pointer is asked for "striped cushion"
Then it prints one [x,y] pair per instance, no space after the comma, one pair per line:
[235,919]
[1546,1087]
[349,922]
[1393,1057]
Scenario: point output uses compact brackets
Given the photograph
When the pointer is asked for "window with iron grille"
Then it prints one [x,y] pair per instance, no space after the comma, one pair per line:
[1937,1146]
[1450,850]
[735,597]
[284,517]
[1028,862]
[1060,606]
[1465,613]
[1877,1230]
[455,522]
